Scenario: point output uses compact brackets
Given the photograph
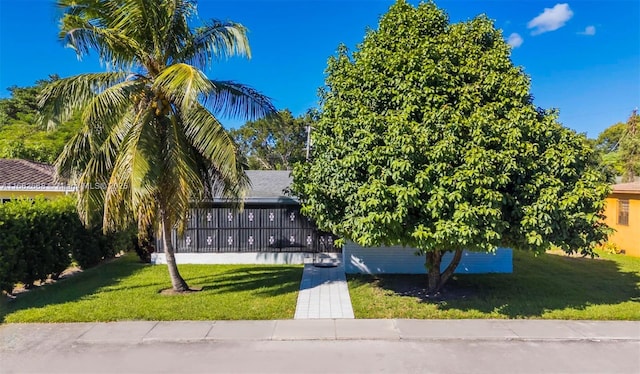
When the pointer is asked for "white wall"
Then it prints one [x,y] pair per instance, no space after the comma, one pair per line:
[401,260]
[248,258]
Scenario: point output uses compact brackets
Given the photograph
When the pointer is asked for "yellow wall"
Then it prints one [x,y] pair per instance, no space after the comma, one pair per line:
[625,237]
[31,194]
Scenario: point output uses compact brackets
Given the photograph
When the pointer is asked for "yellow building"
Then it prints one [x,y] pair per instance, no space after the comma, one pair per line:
[623,214]
[28,179]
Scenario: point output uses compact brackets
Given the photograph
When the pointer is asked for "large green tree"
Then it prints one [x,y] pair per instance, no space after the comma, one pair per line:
[619,148]
[275,142]
[428,138]
[150,134]
[630,148]
[21,136]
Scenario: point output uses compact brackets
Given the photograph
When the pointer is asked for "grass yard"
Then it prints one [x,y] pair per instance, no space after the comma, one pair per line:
[552,286]
[126,289]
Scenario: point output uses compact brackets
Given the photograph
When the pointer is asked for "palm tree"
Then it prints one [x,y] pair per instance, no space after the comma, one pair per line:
[151,143]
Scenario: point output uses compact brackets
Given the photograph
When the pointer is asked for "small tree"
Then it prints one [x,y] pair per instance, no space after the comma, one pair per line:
[630,148]
[428,138]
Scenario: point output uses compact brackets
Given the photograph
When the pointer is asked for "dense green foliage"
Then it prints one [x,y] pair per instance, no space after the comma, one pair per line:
[619,148]
[39,238]
[125,290]
[149,127]
[429,138]
[275,142]
[21,136]
[630,149]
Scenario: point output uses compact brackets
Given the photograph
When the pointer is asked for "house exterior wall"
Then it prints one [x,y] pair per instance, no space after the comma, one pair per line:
[626,237]
[27,194]
[259,227]
[401,260]
[245,258]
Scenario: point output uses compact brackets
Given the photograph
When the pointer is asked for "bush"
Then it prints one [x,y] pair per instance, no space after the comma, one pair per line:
[34,245]
[40,238]
[612,248]
[11,268]
[144,247]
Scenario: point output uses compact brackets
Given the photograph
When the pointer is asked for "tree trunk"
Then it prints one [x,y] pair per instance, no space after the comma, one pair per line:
[179,285]
[435,278]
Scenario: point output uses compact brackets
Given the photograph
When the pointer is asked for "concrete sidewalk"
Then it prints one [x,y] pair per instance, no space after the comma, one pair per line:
[19,337]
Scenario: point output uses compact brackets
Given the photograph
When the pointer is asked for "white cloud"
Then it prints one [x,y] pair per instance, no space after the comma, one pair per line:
[551,19]
[589,30]
[515,40]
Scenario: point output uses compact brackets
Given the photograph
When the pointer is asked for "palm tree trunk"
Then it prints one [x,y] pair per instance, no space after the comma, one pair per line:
[179,285]
[435,278]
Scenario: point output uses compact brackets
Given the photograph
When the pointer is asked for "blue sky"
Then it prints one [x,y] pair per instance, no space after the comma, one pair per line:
[583,57]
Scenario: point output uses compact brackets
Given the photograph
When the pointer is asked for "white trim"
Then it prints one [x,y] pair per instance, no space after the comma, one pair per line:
[25,187]
[244,258]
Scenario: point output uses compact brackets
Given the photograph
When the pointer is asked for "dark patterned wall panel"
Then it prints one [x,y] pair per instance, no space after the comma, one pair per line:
[249,240]
[228,218]
[228,240]
[250,218]
[207,240]
[187,243]
[208,218]
[271,217]
[258,228]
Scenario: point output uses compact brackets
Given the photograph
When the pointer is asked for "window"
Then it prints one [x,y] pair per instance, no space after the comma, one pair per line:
[623,212]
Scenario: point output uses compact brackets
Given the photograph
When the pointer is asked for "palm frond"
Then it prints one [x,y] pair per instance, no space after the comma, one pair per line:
[114,47]
[183,83]
[181,182]
[214,41]
[214,143]
[231,99]
[107,108]
[60,99]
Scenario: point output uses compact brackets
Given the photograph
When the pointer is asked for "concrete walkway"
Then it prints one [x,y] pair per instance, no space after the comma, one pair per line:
[323,293]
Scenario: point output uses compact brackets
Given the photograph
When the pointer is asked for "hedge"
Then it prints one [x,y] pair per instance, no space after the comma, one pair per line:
[41,238]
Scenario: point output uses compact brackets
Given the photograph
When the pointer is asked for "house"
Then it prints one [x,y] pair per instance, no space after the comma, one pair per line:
[28,179]
[271,230]
[623,215]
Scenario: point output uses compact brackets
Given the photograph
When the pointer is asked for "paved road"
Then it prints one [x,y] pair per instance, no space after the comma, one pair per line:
[355,356]
[323,346]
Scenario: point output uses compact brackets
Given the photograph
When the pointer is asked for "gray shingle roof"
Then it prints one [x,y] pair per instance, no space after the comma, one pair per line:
[15,172]
[269,183]
[23,174]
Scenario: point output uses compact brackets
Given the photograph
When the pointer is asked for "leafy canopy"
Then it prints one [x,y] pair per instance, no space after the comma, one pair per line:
[275,142]
[429,138]
[619,148]
[21,136]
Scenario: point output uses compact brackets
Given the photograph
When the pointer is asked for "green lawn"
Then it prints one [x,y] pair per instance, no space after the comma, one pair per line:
[128,290]
[550,286]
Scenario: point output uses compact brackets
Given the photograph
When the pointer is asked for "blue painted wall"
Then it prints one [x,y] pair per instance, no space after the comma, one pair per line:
[401,260]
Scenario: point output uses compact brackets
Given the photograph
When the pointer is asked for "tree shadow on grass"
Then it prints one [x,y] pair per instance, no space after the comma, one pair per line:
[73,288]
[538,285]
[259,279]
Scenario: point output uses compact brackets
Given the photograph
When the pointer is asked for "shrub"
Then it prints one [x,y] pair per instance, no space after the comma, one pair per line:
[33,239]
[612,248]
[39,239]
